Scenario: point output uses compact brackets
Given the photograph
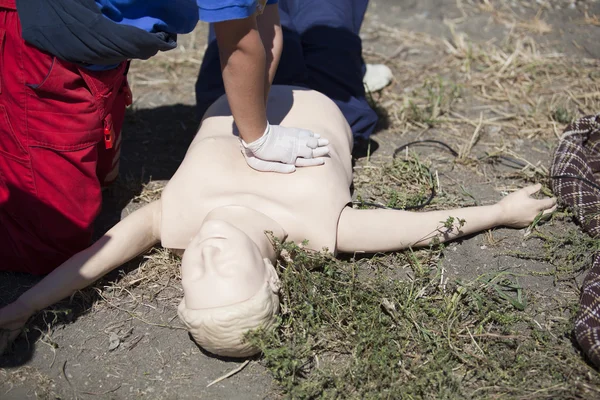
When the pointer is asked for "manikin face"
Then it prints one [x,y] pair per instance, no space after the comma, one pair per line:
[221,266]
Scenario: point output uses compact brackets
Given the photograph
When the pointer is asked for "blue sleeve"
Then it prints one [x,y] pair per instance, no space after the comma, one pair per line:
[226,10]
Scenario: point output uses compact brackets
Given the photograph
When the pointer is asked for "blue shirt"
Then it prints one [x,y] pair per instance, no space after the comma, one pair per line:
[226,10]
[172,16]
[175,16]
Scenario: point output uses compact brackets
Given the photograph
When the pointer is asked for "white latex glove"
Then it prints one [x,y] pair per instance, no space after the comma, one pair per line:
[282,149]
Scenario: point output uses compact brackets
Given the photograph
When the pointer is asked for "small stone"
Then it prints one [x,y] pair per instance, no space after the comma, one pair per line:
[114,341]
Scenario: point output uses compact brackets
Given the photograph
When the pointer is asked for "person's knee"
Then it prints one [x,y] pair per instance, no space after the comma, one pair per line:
[39,251]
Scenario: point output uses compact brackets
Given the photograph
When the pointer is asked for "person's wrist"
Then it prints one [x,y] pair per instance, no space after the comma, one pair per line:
[499,213]
[259,141]
[22,309]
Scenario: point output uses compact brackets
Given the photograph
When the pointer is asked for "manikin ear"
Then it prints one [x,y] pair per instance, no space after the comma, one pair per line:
[272,277]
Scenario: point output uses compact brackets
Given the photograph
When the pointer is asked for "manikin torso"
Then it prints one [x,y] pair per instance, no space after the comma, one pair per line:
[214,174]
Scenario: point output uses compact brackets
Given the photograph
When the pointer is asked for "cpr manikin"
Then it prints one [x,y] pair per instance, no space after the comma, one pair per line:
[218,209]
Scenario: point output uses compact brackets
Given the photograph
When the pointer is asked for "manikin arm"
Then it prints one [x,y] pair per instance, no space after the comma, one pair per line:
[388,230]
[130,237]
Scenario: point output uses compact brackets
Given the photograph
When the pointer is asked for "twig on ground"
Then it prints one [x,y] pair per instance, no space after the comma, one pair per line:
[229,374]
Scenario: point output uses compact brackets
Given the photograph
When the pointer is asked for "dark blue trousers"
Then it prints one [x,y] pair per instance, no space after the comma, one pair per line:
[321,51]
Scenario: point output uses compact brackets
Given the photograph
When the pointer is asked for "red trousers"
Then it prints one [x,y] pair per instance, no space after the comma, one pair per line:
[59,143]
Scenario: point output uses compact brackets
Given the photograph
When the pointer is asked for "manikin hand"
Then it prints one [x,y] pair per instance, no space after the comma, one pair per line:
[13,318]
[282,149]
[518,209]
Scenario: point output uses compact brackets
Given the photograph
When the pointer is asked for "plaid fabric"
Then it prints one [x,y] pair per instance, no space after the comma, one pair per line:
[576,160]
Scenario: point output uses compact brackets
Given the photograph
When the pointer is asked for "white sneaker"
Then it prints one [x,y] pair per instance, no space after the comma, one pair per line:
[377,77]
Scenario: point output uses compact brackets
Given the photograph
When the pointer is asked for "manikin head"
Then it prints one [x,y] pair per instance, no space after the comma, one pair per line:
[229,289]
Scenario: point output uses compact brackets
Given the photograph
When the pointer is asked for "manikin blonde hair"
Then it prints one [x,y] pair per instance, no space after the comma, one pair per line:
[221,330]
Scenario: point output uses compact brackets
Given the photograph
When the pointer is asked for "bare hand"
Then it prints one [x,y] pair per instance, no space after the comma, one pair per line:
[13,318]
[519,209]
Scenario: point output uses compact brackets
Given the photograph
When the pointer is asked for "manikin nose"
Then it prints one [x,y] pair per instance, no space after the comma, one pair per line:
[208,254]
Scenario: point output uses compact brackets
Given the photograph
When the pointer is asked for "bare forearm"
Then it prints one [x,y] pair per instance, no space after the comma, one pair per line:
[389,230]
[243,62]
[269,27]
[126,240]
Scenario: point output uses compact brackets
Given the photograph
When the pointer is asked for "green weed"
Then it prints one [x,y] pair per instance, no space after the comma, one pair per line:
[349,333]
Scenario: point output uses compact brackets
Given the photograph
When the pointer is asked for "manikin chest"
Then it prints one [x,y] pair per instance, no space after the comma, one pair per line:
[307,203]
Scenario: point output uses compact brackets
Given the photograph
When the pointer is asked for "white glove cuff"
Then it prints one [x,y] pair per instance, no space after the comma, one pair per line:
[258,143]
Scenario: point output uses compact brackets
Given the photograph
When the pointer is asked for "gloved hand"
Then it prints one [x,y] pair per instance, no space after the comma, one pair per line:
[282,149]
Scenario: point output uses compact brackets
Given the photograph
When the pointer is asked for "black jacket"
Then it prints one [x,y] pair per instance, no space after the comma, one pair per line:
[77,32]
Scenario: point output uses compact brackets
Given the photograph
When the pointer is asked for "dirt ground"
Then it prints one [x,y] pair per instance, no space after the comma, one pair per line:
[124,340]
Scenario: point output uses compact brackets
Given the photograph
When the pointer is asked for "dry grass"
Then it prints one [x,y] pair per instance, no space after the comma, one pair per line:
[521,89]
[484,99]
[386,184]
[158,276]
[591,19]
[168,72]
[150,192]
[26,376]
